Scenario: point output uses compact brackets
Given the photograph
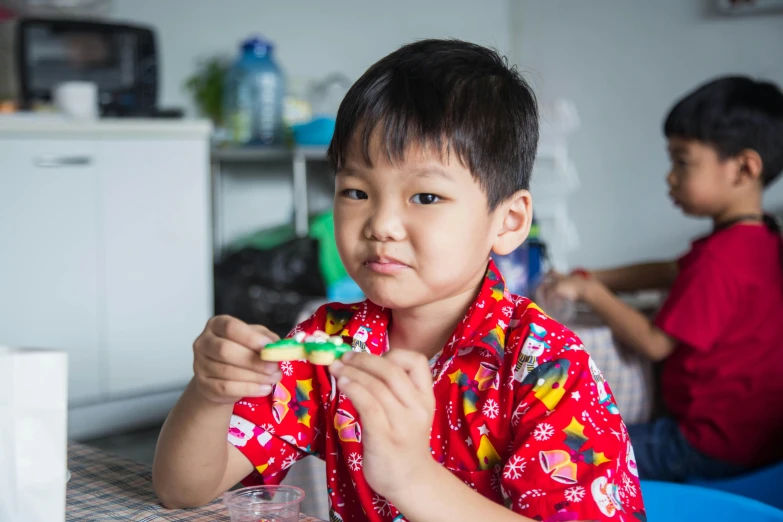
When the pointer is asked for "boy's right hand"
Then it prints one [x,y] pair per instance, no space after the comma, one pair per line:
[227,364]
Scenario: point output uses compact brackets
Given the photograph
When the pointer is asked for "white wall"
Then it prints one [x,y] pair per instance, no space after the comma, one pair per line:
[624,64]
[313,38]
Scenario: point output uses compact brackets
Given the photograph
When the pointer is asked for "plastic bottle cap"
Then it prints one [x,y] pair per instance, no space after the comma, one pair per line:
[258,45]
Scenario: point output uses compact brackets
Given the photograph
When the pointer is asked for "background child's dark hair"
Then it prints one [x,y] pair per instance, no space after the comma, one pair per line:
[449,95]
[733,114]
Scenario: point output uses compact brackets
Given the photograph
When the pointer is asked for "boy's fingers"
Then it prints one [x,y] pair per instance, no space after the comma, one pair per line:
[236,389]
[414,364]
[228,352]
[369,368]
[252,337]
[266,332]
[216,370]
[372,414]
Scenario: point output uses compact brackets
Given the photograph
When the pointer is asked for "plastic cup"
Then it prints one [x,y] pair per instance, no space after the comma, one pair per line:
[264,504]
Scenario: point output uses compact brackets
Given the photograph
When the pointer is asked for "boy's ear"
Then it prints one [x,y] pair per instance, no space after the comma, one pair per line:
[750,165]
[516,216]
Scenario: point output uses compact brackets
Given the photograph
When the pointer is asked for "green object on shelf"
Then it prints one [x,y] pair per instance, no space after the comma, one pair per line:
[266,239]
[321,229]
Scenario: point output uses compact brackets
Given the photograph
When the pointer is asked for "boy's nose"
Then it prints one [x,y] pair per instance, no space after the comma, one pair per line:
[384,224]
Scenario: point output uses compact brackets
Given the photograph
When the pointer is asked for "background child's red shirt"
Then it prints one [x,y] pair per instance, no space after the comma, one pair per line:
[724,382]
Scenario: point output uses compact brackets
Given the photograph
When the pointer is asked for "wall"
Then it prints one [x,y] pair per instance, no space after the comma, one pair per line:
[623,64]
[313,39]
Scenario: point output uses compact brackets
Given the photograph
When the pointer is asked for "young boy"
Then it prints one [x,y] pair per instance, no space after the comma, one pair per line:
[720,331]
[459,401]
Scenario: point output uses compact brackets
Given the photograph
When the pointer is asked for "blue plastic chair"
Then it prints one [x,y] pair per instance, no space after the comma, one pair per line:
[670,502]
[765,485]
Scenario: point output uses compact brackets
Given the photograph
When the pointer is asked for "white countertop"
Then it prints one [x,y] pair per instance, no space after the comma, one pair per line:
[23,125]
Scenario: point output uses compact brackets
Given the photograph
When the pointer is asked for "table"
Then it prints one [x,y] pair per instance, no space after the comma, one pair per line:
[629,374]
[105,487]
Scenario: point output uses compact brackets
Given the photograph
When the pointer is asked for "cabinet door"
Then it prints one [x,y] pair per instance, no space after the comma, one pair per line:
[158,275]
[49,254]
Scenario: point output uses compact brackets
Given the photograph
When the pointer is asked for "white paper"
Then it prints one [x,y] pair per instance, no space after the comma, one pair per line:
[33,434]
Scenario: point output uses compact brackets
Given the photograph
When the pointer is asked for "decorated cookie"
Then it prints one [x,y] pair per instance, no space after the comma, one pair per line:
[318,348]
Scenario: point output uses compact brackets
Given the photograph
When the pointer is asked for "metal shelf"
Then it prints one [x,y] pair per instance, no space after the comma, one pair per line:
[297,156]
[267,154]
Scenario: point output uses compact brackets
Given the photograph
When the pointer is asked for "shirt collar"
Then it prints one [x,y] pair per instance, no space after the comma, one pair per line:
[484,326]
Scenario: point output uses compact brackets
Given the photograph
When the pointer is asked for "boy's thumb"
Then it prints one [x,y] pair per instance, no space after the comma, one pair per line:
[265,336]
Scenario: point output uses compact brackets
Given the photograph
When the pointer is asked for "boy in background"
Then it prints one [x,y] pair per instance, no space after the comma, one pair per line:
[720,331]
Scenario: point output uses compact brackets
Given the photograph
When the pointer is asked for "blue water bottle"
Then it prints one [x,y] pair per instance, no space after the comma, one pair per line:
[254,92]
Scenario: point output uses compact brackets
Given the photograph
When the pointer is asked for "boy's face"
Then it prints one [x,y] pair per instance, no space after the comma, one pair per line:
[699,181]
[413,232]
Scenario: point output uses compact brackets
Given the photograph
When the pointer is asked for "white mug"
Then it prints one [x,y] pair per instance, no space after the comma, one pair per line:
[77,99]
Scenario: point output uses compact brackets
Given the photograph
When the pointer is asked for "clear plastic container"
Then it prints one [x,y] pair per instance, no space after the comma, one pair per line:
[254,94]
[264,504]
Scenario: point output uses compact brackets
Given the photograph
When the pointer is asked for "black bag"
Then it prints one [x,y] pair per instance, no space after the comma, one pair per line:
[269,287]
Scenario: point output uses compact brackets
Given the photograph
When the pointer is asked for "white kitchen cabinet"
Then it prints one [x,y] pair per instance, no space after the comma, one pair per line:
[49,227]
[105,252]
[157,252]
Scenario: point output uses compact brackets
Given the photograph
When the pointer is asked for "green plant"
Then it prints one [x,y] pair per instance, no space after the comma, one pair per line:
[206,87]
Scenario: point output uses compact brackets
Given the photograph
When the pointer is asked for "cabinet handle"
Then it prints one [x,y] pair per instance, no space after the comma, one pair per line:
[62,161]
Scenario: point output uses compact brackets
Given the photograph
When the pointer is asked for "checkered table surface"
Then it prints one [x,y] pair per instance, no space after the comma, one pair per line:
[106,487]
[629,374]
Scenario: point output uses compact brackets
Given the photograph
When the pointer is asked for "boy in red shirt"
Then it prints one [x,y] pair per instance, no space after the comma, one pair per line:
[459,400]
[720,331]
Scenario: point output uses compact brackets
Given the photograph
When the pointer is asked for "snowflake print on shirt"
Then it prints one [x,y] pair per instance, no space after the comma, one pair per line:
[516,418]
[521,410]
[629,486]
[490,409]
[289,461]
[287,368]
[355,461]
[543,432]
[514,468]
[494,481]
[575,494]
[381,505]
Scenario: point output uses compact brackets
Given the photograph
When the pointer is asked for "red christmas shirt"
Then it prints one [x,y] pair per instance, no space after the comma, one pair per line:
[522,416]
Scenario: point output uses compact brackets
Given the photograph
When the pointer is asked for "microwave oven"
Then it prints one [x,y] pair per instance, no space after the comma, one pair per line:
[120,59]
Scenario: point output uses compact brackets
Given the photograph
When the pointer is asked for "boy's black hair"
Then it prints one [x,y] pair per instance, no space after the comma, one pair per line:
[447,94]
[732,114]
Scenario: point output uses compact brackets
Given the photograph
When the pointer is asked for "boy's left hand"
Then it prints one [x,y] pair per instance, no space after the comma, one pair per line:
[394,398]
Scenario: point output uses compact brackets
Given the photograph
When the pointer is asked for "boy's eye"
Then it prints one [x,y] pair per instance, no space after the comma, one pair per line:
[354,194]
[425,199]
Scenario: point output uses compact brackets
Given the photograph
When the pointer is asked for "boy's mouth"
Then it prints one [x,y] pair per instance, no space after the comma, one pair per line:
[385,265]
